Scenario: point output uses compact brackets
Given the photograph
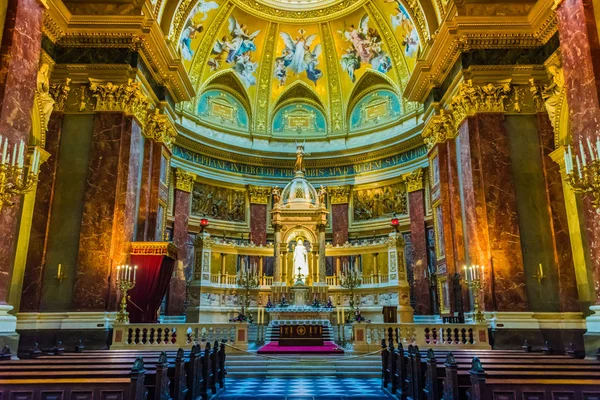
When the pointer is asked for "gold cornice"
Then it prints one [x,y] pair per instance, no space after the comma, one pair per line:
[139,33]
[154,249]
[262,122]
[278,14]
[184,180]
[460,34]
[259,194]
[339,194]
[414,180]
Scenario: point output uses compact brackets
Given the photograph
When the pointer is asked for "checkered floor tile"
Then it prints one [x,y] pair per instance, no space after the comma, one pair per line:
[326,388]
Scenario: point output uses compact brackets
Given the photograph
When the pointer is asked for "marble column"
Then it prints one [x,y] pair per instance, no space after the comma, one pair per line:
[321,256]
[416,204]
[580,51]
[561,242]
[108,219]
[33,279]
[19,63]
[277,253]
[491,220]
[339,197]
[184,183]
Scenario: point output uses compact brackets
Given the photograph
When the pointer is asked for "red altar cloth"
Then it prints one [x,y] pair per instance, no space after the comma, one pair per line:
[153,276]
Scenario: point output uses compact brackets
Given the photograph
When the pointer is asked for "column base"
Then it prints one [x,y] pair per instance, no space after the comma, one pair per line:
[406,314]
[8,329]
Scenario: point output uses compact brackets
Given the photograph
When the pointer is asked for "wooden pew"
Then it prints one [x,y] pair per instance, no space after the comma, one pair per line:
[130,386]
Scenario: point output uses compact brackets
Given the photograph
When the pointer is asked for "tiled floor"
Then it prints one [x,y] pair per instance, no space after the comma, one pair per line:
[327,388]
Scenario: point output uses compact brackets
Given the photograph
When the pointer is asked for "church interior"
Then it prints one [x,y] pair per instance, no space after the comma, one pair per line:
[312,199]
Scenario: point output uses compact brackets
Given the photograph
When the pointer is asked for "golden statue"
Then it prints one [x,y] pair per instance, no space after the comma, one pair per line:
[300,158]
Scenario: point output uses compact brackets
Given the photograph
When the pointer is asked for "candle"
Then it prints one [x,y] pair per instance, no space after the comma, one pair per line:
[59,271]
[566,163]
[592,155]
[13,160]
[134,272]
[570,157]
[21,153]
[540,270]
[4,150]
[598,146]
[118,272]
[578,166]
[582,154]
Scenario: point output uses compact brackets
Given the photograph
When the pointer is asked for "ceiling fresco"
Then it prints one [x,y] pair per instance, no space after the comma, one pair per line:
[273,56]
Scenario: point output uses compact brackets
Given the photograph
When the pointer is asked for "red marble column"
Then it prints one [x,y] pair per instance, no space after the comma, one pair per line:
[339,223]
[492,226]
[183,199]
[580,51]
[418,238]
[258,223]
[158,195]
[109,207]
[19,63]
[563,255]
[38,240]
[145,192]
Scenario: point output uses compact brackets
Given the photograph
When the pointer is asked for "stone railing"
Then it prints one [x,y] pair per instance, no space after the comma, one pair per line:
[266,280]
[174,336]
[367,337]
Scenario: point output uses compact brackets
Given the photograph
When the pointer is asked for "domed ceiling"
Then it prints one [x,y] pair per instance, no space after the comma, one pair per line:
[298,68]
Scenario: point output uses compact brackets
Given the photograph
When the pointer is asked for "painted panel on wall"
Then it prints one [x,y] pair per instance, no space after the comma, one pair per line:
[376,108]
[200,18]
[299,119]
[221,108]
[379,202]
[219,203]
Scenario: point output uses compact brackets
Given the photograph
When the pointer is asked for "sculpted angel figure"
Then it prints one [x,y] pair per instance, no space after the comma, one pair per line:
[276,193]
[551,93]
[43,90]
[322,193]
[299,166]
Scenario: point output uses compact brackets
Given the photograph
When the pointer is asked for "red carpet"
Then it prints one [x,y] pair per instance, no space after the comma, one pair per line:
[275,348]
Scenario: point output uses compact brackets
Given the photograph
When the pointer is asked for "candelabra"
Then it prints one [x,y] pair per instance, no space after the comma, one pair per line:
[248,279]
[126,275]
[587,177]
[15,177]
[350,280]
[473,278]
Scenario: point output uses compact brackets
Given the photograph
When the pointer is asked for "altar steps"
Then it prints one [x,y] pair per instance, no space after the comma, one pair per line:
[245,366]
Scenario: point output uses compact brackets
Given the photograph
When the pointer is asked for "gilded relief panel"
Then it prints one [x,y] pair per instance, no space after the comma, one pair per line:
[376,108]
[221,108]
[219,203]
[380,202]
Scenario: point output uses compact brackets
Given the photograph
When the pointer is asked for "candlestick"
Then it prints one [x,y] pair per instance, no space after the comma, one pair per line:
[125,284]
[582,154]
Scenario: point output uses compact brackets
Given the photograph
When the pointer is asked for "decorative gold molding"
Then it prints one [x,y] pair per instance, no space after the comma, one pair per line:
[262,122]
[259,194]
[181,14]
[154,249]
[339,194]
[337,122]
[290,15]
[414,181]
[184,180]
[127,98]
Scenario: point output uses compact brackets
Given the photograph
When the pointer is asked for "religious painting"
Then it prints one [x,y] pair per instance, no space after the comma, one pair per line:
[235,48]
[374,109]
[362,47]
[435,171]
[218,203]
[194,27]
[403,26]
[379,202]
[444,294]
[438,219]
[299,118]
[160,218]
[300,56]
[222,108]
[163,170]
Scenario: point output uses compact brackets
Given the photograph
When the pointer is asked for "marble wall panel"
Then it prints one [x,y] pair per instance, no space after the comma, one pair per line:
[416,204]
[258,223]
[580,51]
[339,223]
[19,63]
[33,278]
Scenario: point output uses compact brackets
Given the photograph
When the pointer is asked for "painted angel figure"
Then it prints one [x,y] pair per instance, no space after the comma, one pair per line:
[350,62]
[242,41]
[221,47]
[359,37]
[186,40]
[410,37]
[203,7]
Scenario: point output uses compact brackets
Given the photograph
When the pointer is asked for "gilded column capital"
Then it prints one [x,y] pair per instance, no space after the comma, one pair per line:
[414,180]
[184,180]
[159,128]
[339,194]
[439,129]
[127,97]
[471,99]
[259,194]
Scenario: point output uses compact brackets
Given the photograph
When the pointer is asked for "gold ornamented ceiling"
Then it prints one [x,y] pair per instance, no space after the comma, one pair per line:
[299,68]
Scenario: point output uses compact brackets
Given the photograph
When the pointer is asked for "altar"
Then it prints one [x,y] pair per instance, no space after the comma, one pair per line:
[301,335]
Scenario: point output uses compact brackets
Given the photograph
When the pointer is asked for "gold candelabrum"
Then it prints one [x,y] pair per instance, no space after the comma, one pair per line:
[248,279]
[586,179]
[16,177]
[350,279]
[474,279]
[126,275]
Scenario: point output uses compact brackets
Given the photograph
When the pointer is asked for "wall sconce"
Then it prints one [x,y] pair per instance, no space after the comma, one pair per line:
[539,274]
[60,274]
[203,224]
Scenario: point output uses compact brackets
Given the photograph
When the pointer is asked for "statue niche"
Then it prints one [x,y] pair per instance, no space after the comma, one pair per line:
[380,202]
[218,203]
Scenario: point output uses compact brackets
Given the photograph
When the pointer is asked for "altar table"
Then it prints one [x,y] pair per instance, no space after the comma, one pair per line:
[300,335]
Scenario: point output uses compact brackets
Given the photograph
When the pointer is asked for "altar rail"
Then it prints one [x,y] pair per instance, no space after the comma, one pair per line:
[367,337]
[365,280]
[173,336]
